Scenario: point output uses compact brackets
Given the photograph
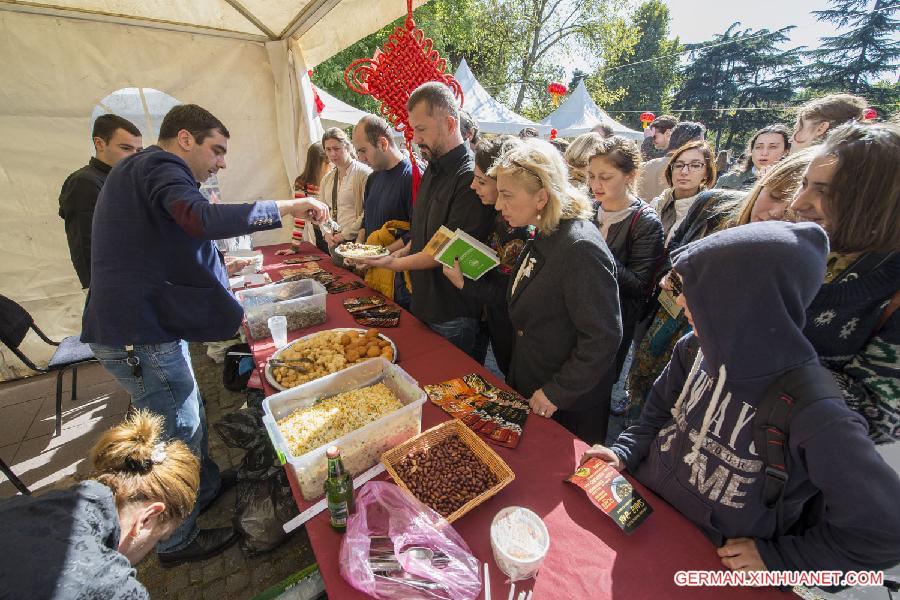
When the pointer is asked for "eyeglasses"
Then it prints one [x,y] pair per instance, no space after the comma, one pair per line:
[691,166]
[676,283]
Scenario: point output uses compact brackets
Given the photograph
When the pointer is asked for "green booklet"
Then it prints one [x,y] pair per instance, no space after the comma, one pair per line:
[475,258]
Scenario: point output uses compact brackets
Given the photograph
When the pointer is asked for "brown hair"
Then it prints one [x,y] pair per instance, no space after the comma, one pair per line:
[622,153]
[488,150]
[704,149]
[315,158]
[131,460]
[778,128]
[834,109]
[536,164]
[784,180]
[663,123]
[863,201]
[334,133]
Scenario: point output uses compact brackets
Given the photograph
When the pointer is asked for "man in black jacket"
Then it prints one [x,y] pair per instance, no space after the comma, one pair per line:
[114,139]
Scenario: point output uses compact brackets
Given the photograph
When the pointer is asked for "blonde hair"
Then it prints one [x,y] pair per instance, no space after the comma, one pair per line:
[131,460]
[535,164]
[784,179]
[579,152]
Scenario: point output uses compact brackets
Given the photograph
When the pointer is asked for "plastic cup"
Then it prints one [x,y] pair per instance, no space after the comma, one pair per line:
[278,328]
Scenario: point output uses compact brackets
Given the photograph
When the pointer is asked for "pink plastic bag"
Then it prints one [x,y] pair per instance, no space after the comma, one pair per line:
[383,509]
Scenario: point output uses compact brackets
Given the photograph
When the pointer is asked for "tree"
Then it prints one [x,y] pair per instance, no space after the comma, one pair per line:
[851,61]
[738,82]
[647,75]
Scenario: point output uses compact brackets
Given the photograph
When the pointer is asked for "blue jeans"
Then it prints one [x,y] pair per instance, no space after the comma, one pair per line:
[462,332]
[166,386]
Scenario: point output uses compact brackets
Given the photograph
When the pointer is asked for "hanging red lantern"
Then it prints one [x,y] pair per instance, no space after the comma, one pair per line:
[870,114]
[557,90]
[553,134]
[647,118]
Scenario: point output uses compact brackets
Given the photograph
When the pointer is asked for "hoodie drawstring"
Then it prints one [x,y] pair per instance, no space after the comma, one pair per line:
[690,457]
[676,410]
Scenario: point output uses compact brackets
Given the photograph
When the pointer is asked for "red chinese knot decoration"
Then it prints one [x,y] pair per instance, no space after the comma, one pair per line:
[647,118]
[406,61]
[553,134]
[557,90]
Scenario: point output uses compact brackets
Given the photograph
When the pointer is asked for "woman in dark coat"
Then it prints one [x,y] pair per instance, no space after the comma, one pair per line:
[563,296]
[631,228]
[506,241]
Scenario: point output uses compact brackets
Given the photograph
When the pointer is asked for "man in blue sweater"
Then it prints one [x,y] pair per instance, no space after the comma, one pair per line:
[158,281]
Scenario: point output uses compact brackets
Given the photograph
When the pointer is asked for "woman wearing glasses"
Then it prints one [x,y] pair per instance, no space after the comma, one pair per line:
[690,171]
[563,296]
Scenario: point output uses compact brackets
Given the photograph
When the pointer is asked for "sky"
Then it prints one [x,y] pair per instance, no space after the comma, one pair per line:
[698,20]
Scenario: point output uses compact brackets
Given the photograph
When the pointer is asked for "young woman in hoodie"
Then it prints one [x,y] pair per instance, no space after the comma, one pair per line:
[83,542]
[631,228]
[694,442]
[852,189]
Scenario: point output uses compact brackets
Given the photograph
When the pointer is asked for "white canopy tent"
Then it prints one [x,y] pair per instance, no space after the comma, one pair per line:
[579,114]
[338,113]
[245,60]
[492,117]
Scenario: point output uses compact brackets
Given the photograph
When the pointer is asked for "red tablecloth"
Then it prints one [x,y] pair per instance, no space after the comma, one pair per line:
[589,557]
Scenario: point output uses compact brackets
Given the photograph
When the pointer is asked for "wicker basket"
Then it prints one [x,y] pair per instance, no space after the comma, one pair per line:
[478,447]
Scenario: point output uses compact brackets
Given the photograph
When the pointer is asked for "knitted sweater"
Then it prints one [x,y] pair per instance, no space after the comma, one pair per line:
[841,324]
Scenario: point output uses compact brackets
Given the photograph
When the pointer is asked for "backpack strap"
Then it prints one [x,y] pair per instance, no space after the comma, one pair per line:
[783,400]
[635,217]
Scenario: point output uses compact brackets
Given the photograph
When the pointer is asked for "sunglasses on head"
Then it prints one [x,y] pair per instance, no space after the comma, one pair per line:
[676,283]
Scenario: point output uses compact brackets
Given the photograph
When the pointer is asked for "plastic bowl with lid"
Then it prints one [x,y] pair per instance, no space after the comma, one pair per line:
[520,542]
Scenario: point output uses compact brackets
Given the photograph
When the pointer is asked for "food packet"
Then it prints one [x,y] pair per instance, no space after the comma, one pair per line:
[612,493]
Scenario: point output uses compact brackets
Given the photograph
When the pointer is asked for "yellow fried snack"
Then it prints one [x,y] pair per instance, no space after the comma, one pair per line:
[306,429]
[328,352]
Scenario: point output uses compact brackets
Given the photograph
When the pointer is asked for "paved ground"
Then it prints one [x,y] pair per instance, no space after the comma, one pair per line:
[43,461]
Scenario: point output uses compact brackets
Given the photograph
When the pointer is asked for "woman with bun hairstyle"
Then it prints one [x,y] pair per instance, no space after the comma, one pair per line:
[83,542]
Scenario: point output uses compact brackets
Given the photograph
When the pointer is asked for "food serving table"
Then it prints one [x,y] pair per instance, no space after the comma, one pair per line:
[589,556]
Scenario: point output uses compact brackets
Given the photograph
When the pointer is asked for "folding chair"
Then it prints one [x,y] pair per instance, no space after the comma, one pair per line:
[15,322]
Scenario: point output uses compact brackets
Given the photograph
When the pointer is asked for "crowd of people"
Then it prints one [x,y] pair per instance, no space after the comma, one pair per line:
[777,278]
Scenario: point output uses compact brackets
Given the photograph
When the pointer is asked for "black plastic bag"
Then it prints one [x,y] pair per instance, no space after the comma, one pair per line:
[237,368]
[263,499]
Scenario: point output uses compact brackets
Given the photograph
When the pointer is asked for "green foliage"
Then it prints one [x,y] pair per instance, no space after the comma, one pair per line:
[742,69]
[856,56]
[648,84]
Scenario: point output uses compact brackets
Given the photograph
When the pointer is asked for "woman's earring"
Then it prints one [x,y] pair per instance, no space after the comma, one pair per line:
[539,216]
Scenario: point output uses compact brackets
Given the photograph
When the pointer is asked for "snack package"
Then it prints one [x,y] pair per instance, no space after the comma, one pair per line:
[301,259]
[494,414]
[612,493]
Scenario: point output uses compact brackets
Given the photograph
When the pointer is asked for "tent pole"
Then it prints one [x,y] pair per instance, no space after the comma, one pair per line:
[250,17]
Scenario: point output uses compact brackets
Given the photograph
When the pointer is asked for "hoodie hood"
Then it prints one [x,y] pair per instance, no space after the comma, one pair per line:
[748,289]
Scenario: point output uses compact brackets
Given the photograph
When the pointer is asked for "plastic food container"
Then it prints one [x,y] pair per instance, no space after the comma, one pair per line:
[520,541]
[360,449]
[301,302]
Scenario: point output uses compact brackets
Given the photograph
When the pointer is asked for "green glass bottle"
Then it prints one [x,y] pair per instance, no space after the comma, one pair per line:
[338,490]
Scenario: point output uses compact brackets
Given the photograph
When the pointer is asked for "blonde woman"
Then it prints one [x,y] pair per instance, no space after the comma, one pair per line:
[563,296]
[577,155]
[770,197]
[83,542]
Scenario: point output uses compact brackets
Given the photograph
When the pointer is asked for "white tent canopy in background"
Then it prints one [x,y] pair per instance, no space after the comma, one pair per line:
[579,114]
[338,113]
[64,60]
[492,117]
